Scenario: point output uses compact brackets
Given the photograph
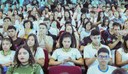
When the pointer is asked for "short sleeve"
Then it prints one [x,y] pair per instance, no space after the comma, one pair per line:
[10,70]
[120,50]
[54,55]
[39,53]
[38,69]
[86,52]
[78,55]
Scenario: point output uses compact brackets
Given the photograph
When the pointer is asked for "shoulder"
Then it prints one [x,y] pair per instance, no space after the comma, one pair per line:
[88,46]
[112,67]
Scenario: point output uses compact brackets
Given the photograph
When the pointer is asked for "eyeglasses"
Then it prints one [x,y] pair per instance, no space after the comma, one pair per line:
[101,57]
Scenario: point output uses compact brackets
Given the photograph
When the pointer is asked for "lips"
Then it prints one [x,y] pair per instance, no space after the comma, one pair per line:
[22,58]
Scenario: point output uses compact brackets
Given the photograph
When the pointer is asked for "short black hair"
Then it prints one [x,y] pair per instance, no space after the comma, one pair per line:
[7,18]
[11,27]
[119,71]
[117,24]
[95,32]
[103,49]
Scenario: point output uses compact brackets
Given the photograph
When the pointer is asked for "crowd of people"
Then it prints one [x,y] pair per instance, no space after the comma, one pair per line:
[91,34]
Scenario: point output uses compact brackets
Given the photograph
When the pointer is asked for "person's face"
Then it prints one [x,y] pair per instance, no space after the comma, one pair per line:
[103,58]
[96,39]
[88,26]
[27,25]
[6,45]
[116,30]
[106,22]
[1,14]
[31,41]
[116,14]
[23,55]
[43,29]
[66,42]
[101,14]
[66,14]
[126,24]
[11,33]
[127,43]
[7,21]
[69,29]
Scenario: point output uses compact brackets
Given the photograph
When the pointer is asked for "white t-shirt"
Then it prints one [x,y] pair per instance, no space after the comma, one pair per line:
[8,58]
[89,52]
[96,70]
[39,53]
[61,55]
[124,56]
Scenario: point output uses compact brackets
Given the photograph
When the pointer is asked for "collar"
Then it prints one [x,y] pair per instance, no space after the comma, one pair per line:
[93,46]
[8,52]
[103,70]
[66,50]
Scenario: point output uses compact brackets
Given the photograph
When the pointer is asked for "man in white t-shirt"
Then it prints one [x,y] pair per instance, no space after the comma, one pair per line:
[103,67]
[91,49]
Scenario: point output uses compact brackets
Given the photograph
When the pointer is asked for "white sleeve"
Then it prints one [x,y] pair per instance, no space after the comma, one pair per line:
[86,53]
[39,53]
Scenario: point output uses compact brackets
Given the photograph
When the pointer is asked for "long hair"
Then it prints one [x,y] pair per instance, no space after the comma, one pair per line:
[104,20]
[36,42]
[125,44]
[65,35]
[10,40]
[31,60]
[73,35]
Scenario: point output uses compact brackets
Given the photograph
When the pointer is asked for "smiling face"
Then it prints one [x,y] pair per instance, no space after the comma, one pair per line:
[23,55]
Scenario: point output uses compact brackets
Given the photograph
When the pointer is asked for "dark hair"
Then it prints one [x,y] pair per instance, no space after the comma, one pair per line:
[117,24]
[104,20]
[7,18]
[10,40]
[125,44]
[43,24]
[69,18]
[21,16]
[31,23]
[73,35]
[33,17]
[11,27]
[36,42]
[99,18]
[103,49]
[1,10]
[64,35]
[84,25]
[31,58]
[95,32]
[119,71]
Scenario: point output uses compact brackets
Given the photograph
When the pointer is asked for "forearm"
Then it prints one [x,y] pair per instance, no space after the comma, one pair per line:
[55,63]
[90,61]
[122,63]
[40,61]
[113,44]
[79,61]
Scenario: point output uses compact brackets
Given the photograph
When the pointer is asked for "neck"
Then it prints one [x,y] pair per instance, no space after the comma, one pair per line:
[66,49]
[5,52]
[24,63]
[103,67]
[14,38]
[97,45]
